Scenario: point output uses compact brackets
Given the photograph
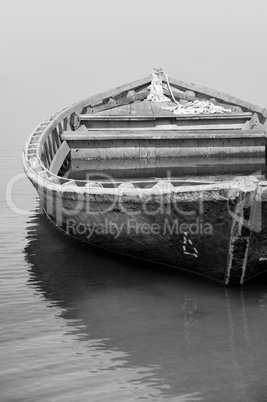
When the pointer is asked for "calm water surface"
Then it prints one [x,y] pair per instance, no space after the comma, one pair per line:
[80,325]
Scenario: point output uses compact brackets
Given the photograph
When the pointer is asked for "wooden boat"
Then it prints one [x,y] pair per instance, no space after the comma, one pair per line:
[161,170]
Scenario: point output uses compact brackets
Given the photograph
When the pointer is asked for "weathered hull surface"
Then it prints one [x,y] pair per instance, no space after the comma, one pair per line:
[217,230]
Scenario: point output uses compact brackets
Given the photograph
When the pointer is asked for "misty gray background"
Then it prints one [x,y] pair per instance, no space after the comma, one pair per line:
[54,53]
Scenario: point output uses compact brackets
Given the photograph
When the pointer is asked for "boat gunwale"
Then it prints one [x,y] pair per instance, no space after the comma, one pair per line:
[224,190]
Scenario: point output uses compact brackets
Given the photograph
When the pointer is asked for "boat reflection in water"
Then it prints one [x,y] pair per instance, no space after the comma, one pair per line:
[140,333]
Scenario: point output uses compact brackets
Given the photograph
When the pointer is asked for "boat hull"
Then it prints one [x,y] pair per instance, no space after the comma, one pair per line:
[217,231]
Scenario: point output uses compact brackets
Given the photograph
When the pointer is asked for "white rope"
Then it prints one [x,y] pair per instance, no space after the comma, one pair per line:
[170,90]
[195,107]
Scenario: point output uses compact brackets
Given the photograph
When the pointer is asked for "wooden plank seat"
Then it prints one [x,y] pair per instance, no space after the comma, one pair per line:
[160,118]
[170,115]
[146,134]
[127,144]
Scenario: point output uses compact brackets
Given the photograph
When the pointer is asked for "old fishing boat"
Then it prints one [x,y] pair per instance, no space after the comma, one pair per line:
[161,170]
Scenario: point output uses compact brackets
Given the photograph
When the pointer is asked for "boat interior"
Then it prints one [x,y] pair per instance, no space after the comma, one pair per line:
[143,142]
[126,137]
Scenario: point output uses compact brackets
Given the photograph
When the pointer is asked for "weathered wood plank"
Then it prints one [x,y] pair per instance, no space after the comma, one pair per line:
[157,134]
[166,148]
[95,100]
[133,164]
[50,149]
[114,118]
[215,116]
[47,158]
[141,108]
[165,120]
[59,128]
[253,123]
[168,115]
[164,124]
[59,157]
[54,143]
[124,88]
[120,111]
[82,128]
[103,112]
[65,123]
[159,112]
[121,102]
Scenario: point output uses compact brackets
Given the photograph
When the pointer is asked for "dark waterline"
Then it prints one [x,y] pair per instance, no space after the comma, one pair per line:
[77,324]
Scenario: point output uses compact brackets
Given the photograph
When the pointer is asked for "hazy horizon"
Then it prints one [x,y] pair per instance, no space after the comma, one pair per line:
[56,53]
